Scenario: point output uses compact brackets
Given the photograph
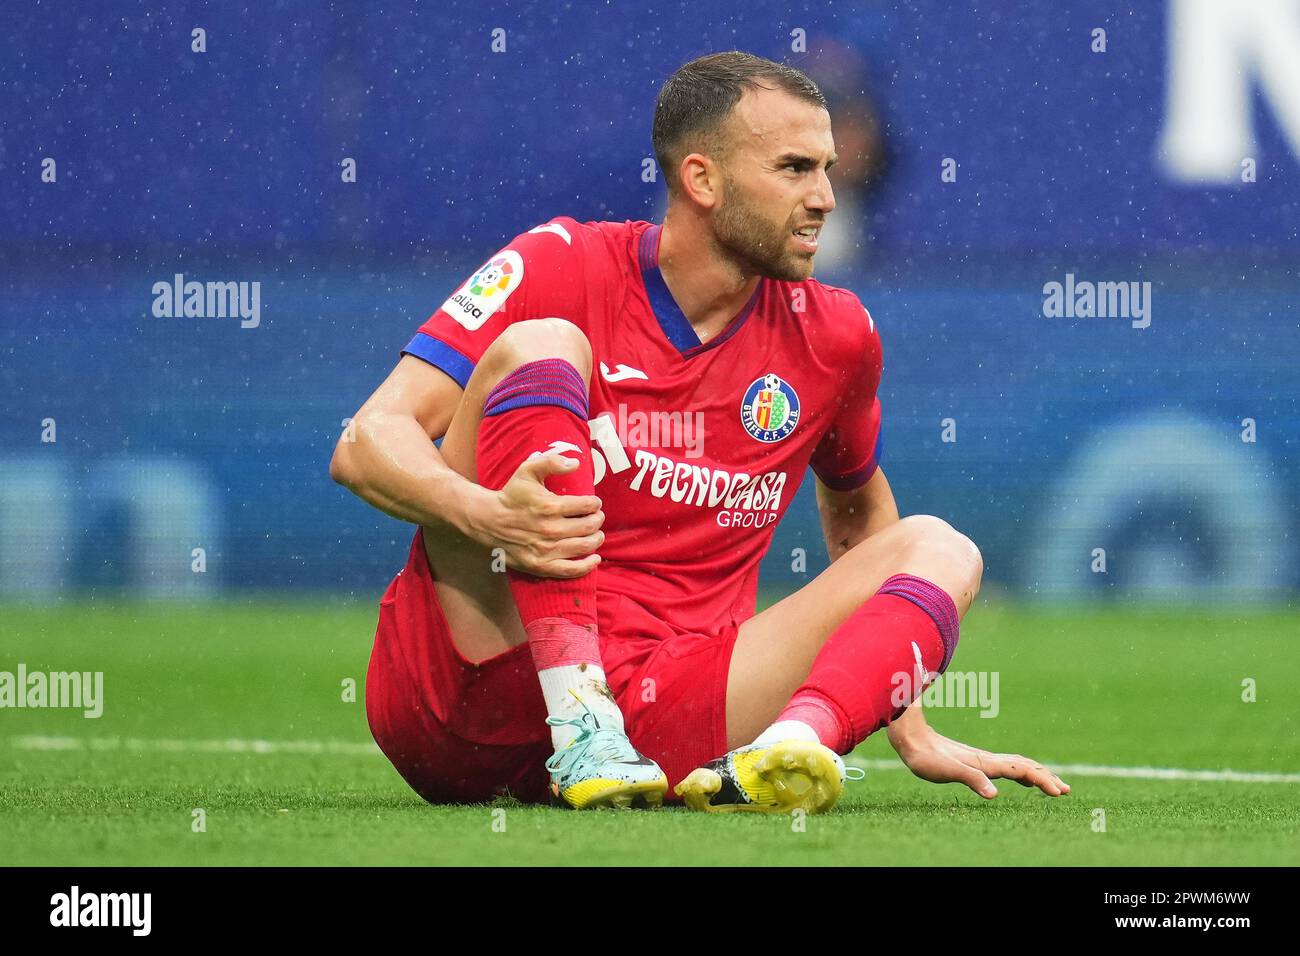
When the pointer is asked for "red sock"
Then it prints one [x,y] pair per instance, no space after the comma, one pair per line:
[542,407]
[866,674]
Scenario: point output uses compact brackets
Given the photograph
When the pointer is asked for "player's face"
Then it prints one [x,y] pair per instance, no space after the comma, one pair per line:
[776,194]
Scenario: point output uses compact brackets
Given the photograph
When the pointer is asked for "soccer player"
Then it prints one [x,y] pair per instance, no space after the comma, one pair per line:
[626,410]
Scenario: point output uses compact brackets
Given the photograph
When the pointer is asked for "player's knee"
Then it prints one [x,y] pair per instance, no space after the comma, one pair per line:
[927,534]
[932,542]
[535,339]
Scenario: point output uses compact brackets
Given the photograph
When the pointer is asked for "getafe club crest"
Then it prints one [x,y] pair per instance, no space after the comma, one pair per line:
[770,409]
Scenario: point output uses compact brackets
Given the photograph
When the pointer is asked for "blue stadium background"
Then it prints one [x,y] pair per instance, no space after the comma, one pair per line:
[1071,434]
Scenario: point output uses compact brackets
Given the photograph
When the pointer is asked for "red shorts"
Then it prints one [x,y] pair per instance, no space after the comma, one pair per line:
[459,732]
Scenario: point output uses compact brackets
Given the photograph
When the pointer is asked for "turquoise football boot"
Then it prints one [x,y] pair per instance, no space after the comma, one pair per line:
[601,768]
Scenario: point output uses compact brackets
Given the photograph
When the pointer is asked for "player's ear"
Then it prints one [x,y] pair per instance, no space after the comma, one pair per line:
[700,179]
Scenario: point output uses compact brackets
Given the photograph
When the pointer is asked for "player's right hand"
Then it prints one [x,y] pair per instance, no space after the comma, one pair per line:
[550,535]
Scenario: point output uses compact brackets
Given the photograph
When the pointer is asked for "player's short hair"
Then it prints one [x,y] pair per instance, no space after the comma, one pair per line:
[696,101]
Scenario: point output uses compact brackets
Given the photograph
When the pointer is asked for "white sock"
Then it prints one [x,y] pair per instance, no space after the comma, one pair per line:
[587,682]
[787,730]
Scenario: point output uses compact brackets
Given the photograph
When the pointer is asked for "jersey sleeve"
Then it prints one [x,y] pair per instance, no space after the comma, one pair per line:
[538,275]
[849,453]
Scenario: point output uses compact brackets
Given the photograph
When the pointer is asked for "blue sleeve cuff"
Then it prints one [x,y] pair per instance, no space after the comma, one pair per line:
[855,479]
[441,355]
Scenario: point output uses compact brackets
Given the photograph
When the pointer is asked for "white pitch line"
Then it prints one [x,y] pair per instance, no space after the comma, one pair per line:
[352,749]
[228,746]
[1130,773]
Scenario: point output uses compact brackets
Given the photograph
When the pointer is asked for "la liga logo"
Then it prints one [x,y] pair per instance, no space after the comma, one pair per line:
[770,408]
[486,290]
[494,278]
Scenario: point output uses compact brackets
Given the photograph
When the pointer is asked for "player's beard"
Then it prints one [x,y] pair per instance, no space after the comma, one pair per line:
[759,246]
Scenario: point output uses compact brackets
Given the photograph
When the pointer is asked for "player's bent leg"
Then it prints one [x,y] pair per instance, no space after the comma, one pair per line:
[526,396]
[776,648]
[475,598]
[820,670]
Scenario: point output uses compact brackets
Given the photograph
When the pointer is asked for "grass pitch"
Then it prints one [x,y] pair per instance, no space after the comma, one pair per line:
[189,689]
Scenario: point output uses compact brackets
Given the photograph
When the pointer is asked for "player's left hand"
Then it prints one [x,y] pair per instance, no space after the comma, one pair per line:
[938,759]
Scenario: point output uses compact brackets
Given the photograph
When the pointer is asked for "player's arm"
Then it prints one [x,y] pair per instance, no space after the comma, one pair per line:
[850,517]
[387,458]
[854,500]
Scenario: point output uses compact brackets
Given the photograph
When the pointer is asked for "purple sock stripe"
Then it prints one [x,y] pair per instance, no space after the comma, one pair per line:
[556,391]
[540,379]
[540,382]
[544,368]
[554,366]
[544,382]
[527,401]
[544,373]
[934,601]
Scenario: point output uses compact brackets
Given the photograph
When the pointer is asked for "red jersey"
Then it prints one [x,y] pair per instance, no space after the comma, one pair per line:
[698,448]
